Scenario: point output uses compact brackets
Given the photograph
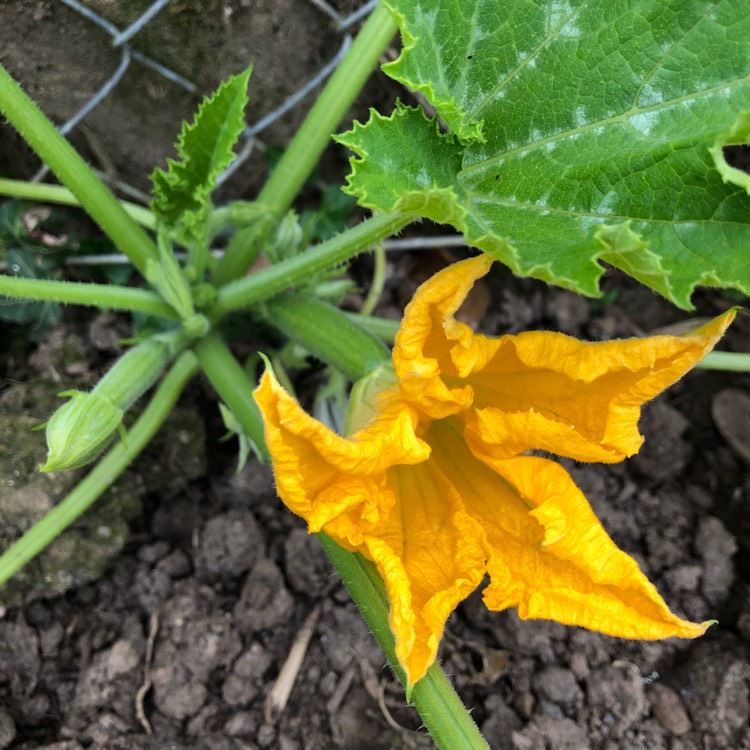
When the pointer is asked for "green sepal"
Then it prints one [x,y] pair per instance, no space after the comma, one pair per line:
[80,430]
[363,404]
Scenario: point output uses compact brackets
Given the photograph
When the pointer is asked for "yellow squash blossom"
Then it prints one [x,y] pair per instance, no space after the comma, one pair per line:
[435,486]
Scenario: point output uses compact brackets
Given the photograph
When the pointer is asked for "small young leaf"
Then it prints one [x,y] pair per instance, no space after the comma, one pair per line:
[580,132]
[205,148]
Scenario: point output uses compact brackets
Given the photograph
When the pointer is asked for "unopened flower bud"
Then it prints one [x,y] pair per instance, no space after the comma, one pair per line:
[80,430]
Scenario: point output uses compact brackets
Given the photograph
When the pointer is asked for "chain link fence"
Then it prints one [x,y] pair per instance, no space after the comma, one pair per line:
[150,64]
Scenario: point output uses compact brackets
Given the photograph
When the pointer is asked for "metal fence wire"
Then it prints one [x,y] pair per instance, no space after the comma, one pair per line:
[120,40]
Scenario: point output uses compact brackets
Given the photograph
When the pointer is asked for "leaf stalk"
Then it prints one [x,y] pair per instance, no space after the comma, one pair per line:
[304,152]
[251,290]
[102,296]
[99,202]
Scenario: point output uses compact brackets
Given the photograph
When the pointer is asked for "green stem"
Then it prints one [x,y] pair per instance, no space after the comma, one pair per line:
[94,295]
[73,172]
[441,709]
[729,361]
[311,139]
[378,281]
[383,328]
[42,193]
[104,474]
[233,385]
[447,720]
[263,285]
[327,333]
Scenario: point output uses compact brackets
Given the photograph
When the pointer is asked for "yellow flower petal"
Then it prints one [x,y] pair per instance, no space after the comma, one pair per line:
[421,352]
[578,399]
[431,556]
[433,489]
[319,474]
[548,554]
[364,493]
[536,390]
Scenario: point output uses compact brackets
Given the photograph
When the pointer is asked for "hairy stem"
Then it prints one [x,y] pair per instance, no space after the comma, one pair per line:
[309,142]
[73,172]
[233,385]
[94,295]
[265,284]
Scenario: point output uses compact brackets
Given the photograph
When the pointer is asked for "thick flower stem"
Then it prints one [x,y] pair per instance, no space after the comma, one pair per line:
[445,716]
[311,139]
[95,295]
[233,385]
[441,709]
[105,472]
[263,285]
[73,171]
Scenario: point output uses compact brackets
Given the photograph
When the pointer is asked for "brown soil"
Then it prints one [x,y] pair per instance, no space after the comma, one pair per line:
[226,577]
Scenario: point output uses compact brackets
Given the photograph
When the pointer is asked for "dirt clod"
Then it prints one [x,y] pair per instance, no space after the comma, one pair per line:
[229,546]
[717,547]
[669,709]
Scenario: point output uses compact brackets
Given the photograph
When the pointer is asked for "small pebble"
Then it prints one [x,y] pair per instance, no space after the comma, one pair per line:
[668,709]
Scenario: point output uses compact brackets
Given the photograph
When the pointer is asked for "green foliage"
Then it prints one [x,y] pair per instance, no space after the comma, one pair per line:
[331,218]
[182,194]
[568,133]
[25,258]
[580,131]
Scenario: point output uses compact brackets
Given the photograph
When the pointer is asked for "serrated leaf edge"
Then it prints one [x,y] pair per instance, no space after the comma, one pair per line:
[446,107]
[737,135]
[170,177]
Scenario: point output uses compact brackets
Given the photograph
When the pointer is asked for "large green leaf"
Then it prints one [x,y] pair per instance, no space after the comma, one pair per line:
[579,131]
[182,193]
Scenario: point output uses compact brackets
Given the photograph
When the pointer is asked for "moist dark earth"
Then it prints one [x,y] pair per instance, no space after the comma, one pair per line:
[163,618]
[180,639]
